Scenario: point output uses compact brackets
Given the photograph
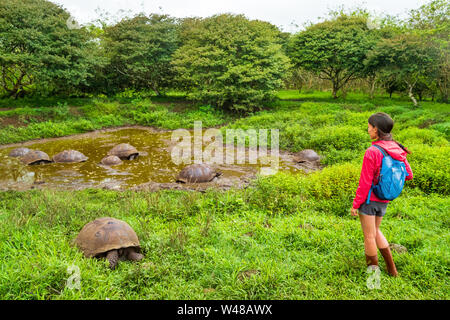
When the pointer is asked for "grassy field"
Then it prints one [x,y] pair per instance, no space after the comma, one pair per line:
[285,237]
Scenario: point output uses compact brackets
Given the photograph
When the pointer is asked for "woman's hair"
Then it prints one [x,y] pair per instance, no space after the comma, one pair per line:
[384,123]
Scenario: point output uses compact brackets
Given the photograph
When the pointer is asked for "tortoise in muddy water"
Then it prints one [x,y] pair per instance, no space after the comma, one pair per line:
[69,156]
[19,152]
[124,151]
[111,161]
[197,173]
[306,155]
[109,238]
[35,157]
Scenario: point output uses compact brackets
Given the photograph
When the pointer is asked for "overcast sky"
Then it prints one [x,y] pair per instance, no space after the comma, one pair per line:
[283,13]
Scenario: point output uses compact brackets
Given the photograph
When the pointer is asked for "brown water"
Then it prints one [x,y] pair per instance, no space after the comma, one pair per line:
[154,164]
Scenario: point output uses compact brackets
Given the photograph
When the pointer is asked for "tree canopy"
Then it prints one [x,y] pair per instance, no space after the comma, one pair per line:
[334,49]
[139,52]
[229,61]
[38,50]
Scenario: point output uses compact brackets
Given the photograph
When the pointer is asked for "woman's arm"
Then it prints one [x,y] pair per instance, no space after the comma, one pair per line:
[366,178]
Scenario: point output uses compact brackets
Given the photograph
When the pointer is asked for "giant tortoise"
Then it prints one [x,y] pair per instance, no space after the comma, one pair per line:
[19,152]
[35,157]
[109,238]
[124,151]
[111,161]
[69,156]
[196,173]
[306,155]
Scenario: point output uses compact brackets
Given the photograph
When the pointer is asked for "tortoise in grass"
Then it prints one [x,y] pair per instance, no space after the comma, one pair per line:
[35,157]
[111,161]
[307,155]
[69,156]
[124,151]
[19,152]
[109,238]
[197,173]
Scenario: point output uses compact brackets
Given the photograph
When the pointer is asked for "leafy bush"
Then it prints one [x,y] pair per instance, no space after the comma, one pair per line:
[430,170]
[443,127]
[338,138]
[230,62]
[421,136]
[335,182]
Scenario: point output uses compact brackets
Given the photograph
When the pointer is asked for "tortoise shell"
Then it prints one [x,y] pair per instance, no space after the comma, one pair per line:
[306,155]
[105,234]
[196,173]
[35,157]
[124,151]
[19,152]
[111,161]
[69,156]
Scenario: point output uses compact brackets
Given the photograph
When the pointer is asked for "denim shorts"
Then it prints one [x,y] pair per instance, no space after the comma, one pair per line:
[374,208]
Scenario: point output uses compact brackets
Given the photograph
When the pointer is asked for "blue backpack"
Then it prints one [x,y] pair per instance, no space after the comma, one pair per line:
[391,180]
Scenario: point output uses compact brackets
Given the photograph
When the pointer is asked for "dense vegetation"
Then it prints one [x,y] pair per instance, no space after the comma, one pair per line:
[286,237]
[226,60]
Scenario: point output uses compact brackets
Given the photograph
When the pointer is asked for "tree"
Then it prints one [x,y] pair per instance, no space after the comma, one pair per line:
[334,49]
[432,22]
[140,50]
[38,49]
[230,62]
[406,57]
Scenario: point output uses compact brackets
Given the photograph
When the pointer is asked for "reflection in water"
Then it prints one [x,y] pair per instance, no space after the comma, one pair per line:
[153,164]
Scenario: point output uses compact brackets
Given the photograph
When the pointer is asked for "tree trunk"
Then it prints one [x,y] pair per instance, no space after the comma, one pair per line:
[411,95]
[372,83]
[372,90]
[335,90]
[444,90]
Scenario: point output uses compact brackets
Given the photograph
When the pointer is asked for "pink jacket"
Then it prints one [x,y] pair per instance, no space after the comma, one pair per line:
[371,169]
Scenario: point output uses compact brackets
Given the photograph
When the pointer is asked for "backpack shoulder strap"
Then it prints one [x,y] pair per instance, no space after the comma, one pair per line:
[384,153]
[381,149]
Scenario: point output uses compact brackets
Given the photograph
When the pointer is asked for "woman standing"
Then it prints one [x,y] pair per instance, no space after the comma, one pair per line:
[371,214]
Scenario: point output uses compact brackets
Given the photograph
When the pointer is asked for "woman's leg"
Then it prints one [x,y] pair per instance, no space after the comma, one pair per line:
[380,239]
[383,245]
[370,233]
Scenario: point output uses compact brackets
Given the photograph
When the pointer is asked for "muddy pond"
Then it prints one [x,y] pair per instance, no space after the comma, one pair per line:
[153,169]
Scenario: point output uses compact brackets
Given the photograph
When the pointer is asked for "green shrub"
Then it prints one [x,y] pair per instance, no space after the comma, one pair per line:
[431,172]
[230,62]
[282,193]
[335,182]
[352,118]
[100,108]
[61,111]
[295,137]
[394,111]
[339,138]
[421,136]
[334,156]
[443,128]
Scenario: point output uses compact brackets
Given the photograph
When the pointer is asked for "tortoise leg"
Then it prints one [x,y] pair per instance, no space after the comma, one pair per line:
[133,255]
[113,257]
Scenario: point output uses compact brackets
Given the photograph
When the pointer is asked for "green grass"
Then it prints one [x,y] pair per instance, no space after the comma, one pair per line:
[293,234]
[62,120]
[196,242]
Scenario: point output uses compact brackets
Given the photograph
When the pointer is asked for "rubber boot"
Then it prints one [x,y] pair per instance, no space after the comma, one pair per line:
[387,255]
[372,260]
